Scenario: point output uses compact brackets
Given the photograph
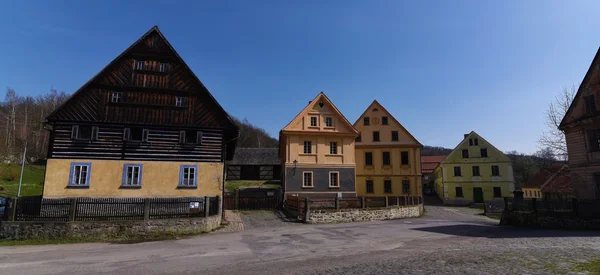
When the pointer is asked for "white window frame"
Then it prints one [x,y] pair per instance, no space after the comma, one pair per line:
[179,101]
[337,179]
[75,177]
[188,176]
[140,64]
[116,97]
[129,175]
[304,179]
[163,67]
[333,148]
[328,121]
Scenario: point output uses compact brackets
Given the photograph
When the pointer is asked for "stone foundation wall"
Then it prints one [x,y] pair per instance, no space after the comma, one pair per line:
[106,229]
[522,219]
[369,214]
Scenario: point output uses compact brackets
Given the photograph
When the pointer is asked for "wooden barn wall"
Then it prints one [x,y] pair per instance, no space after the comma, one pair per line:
[163,144]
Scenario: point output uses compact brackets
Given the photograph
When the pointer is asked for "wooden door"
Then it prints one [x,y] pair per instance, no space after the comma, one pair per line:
[477,194]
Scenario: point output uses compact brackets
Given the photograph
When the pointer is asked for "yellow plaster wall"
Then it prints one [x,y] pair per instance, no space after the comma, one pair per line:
[159,179]
[413,167]
[378,187]
[320,150]
[532,193]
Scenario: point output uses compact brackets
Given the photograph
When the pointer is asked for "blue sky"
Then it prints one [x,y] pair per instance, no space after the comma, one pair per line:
[442,68]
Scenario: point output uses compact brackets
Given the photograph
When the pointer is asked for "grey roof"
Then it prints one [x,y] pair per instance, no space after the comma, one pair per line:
[255,156]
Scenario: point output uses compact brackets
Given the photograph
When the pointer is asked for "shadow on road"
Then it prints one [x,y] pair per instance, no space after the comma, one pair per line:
[483,231]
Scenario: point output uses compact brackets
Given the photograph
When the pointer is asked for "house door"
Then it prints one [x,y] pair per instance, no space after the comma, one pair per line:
[477,194]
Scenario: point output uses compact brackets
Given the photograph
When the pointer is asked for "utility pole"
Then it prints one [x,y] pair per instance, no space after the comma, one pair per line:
[22,166]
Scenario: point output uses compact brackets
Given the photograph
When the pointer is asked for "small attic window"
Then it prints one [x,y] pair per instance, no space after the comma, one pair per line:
[116,97]
[164,67]
[375,110]
[139,64]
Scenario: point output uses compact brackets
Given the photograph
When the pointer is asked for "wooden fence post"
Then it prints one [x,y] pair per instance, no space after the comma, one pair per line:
[206,206]
[237,199]
[13,214]
[397,201]
[363,205]
[337,203]
[73,210]
[146,209]
[387,203]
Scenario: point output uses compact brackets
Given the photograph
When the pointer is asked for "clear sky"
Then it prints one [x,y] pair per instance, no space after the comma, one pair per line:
[442,68]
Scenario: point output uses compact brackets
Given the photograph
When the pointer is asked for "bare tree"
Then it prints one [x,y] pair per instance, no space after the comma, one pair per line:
[553,138]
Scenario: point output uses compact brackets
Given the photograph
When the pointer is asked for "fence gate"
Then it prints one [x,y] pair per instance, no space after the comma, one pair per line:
[252,199]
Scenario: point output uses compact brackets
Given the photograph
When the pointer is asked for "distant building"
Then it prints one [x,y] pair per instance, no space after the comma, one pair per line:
[387,156]
[474,172]
[317,152]
[428,165]
[581,125]
[254,164]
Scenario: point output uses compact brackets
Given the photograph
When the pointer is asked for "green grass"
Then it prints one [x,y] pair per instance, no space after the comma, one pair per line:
[242,184]
[33,175]
[591,266]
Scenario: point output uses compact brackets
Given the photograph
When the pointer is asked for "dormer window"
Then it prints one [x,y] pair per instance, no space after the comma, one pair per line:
[179,101]
[139,65]
[116,97]
[164,67]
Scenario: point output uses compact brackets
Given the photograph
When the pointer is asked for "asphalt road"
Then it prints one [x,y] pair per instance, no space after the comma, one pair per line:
[444,241]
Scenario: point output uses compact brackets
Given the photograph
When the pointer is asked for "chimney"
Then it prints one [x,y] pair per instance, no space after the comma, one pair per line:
[466,135]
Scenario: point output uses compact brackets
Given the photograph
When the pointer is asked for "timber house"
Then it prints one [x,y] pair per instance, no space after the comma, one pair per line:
[144,126]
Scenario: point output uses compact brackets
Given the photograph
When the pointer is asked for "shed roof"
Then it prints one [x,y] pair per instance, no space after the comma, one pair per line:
[255,156]
[429,163]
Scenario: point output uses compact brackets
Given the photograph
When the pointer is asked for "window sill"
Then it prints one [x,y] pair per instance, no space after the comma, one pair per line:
[369,167]
[387,167]
[314,127]
[334,187]
[130,187]
[329,127]
[303,154]
[186,187]
[308,187]
[78,186]
[333,155]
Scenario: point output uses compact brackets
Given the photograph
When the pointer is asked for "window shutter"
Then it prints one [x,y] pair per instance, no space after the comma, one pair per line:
[95,132]
[182,136]
[126,134]
[199,137]
[74,131]
[145,134]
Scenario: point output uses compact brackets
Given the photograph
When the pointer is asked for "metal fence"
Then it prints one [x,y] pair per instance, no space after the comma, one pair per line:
[253,199]
[109,209]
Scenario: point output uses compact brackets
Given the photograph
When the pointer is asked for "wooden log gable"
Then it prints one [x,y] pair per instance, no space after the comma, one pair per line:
[149,86]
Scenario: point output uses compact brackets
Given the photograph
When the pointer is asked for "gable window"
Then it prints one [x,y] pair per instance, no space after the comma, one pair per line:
[308,147]
[594,140]
[188,176]
[116,97]
[459,192]
[313,121]
[366,120]
[190,137]
[497,192]
[180,101]
[404,158]
[334,179]
[307,179]
[369,184]
[476,141]
[80,174]
[328,122]
[476,171]
[164,67]
[465,154]
[358,138]
[84,132]
[590,104]
[132,175]
[375,136]
[386,158]
[384,120]
[387,186]
[483,152]
[368,158]
[470,142]
[136,134]
[333,148]
[457,171]
[405,186]
[139,65]
[495,170]
[394,135]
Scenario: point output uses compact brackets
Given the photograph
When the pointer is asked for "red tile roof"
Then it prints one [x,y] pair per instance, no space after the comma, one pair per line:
[429,163]
[554,179]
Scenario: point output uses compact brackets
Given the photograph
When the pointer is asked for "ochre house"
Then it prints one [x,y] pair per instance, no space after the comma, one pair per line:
[474,172]
[144,126]
[581,126]
[317,152]
[388,157]
[428,165]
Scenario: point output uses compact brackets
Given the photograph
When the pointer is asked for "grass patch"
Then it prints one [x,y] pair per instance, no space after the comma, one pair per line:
[33,175]
[591,266]
[242,184]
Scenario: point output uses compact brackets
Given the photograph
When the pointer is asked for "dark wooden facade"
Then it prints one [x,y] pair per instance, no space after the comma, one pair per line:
[145,105]
[254,164]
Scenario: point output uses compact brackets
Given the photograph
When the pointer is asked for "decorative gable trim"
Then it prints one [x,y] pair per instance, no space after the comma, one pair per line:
[311,104]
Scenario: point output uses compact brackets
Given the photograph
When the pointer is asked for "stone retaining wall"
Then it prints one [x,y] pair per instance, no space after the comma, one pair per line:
[523,219]
[106,229]
[359,215]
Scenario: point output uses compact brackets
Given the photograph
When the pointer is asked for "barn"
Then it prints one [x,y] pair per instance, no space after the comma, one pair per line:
[254,164]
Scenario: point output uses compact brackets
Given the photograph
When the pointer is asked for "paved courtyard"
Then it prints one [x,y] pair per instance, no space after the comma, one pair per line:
[446,240]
